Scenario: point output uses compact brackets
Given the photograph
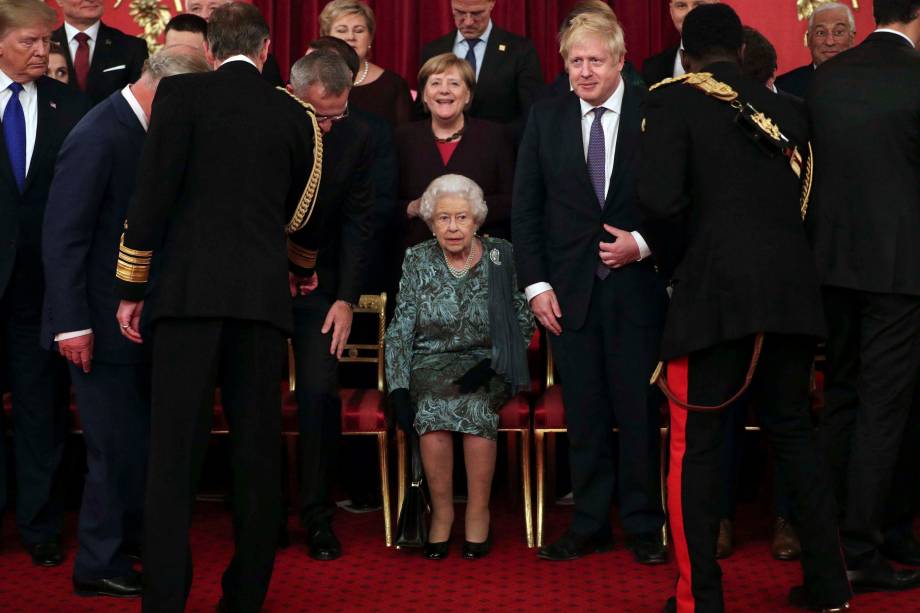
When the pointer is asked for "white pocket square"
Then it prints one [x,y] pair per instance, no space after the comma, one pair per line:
[114,68]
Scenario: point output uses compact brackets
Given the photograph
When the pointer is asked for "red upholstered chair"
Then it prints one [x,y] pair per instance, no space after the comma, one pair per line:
[363,410]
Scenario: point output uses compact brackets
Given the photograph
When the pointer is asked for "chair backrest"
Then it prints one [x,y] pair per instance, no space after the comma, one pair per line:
[369,353]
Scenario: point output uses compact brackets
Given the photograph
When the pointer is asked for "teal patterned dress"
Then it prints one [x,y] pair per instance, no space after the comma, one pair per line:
[439,331]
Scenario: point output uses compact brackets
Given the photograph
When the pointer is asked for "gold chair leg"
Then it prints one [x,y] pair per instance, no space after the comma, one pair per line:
[401,467]
[540,449]
[550,466]
[512,461]
[663,476]
[385,487]
[525,485]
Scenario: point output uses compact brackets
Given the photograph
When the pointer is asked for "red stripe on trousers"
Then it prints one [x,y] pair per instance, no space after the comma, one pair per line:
[677,379]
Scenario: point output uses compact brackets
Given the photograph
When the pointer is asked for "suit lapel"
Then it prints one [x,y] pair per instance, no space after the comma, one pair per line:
[5,166]
[44,132]
[102,55]
[573,146]
[627,140]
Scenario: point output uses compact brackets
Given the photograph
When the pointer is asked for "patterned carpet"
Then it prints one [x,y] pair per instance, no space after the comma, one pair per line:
[370,577]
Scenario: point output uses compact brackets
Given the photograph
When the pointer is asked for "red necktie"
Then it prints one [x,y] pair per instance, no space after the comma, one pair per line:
[81,60]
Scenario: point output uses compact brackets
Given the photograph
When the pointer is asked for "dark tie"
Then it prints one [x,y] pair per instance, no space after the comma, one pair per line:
[471,52]
[81,59]
[597,161]
[14,133]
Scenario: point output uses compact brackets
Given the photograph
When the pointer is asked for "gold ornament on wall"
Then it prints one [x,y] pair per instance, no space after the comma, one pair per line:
[807,7]
[151,16]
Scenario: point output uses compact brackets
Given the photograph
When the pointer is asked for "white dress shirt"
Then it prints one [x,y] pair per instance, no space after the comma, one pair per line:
[610,121]
[142,118]
[901,34]
[678,65]
[28,98]
[462,47]
[71,32]
[237,58]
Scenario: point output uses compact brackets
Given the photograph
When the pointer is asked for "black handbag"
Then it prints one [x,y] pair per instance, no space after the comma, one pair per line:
[412,526]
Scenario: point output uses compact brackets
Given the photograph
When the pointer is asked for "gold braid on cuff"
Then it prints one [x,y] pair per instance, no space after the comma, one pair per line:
[307,203]
[305,258]
[133,265]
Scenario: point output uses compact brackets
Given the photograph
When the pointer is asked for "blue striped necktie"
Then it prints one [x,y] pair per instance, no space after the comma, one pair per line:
[14,133]
[471,52]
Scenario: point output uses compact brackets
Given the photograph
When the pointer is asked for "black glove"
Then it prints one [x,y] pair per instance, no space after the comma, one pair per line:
[476,377]
[403,409]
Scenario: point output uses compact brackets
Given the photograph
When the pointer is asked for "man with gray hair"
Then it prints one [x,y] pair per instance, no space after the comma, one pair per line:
[323,317]
[87,204]
[831,30]
[227,184]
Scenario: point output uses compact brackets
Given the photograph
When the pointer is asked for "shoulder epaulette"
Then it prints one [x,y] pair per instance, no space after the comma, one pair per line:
[307,202]
[704,82]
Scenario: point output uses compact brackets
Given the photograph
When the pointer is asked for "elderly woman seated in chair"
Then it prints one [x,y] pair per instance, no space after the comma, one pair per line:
[455,352]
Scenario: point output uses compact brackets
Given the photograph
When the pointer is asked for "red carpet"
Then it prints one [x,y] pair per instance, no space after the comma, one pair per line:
[371,577]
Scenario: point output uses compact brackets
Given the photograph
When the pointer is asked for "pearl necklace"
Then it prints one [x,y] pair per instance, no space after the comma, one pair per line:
[459,274]
[363,76]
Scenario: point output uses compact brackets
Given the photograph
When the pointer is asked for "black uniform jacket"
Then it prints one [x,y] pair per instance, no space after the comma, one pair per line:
[745,265]
[224,164]
[864,220]
[117,60]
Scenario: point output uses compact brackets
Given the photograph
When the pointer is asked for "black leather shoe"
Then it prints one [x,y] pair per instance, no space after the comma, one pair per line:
[880,576]
[798,598]
[474,551]
[130,586]
[647,548]
[46,554]
[905,550]
[323,544]
[436,551]
[571,547]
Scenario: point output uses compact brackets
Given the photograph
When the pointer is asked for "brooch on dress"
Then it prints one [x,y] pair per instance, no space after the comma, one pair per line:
[495,256]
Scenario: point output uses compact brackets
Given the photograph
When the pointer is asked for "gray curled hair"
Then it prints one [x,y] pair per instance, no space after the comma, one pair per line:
[174,60]
[453,185]
[322,66]
[832,6]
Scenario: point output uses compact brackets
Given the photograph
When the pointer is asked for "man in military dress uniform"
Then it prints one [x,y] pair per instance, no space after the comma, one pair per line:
[722,157]
[223,182]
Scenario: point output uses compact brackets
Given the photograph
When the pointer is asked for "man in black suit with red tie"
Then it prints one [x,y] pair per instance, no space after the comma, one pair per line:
[216,189]
[865,231]
[590,281]
[667,64]
[36,114]
[507,66]
[101,59]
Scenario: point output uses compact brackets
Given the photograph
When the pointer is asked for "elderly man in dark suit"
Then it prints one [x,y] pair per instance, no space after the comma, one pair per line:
[666,64]
[745,312]
[87,204]
[221,305]
[101,59]
[323,317]
[36,114]
[865,231]
[590,282]
[507,66]
[831,30]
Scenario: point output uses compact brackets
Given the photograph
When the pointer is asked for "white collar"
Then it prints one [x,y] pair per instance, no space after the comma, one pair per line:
[901,34]
[484,37]
[28,86]
[92,31]
[135,106]
[613,103]
[237,58]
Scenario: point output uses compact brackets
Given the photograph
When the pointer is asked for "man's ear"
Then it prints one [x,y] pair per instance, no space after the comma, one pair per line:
[685,60]
[210,56]
[263,53]
[289,88]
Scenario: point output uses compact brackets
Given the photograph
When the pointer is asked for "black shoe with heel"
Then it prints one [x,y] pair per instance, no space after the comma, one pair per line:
[474,551]
[436,551]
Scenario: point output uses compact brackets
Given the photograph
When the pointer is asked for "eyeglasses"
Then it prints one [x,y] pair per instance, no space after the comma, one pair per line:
[333,118]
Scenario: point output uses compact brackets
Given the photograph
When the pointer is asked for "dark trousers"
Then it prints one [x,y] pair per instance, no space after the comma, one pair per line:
[319,408]
[39,426]
[779,394]
[904,497]
[873,358]
[114,405]
[605,367]
[188,354]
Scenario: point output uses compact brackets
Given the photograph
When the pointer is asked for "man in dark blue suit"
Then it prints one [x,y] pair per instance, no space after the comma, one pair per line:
[36,114]
[87,205]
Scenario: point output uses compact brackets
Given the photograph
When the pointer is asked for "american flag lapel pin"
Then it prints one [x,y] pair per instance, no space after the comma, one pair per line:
[108,42]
